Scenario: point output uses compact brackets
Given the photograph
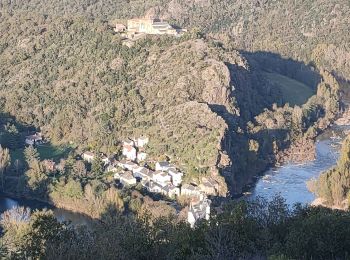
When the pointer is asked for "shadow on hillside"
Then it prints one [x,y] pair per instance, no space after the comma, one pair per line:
[254,94]
[273,62]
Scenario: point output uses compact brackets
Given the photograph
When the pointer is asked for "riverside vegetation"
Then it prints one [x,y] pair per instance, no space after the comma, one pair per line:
[333,186]
[242,231]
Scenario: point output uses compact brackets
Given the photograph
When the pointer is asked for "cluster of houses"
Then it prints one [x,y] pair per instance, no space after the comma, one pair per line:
[165,179]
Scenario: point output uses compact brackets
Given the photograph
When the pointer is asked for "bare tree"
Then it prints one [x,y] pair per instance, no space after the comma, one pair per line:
[5,161]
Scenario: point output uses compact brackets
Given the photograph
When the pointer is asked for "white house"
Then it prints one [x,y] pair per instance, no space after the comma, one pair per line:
[141,156]
[131,166]
[142,141]
[176,176]
[128,142]
[34,139]
[162,166]
[129,152]
[208,186]
[199,210]
[146,174]
[163,178]
[105,160]
[172,191]
[153,187]
[112,168]
[190,190]
[127,179]
[122,163]
[117,175]
[88,156]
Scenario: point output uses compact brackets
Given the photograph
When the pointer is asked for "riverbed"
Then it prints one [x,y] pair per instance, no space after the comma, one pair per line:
[289,180]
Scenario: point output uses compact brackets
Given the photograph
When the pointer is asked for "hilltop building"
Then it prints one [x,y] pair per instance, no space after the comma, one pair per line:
[141,26]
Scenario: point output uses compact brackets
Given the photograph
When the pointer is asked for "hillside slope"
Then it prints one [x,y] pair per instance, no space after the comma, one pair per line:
[203,105]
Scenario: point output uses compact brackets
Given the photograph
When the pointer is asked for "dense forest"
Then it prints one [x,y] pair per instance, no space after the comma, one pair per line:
[199,101]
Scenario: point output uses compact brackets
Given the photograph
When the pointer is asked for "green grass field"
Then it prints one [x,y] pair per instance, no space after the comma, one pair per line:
[46,151]
[294,92]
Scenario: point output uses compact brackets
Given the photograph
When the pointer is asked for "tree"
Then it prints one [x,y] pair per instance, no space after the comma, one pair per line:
[97,166]
[5,161]
[79,169]
[31,154]
[44,229]
[37,179]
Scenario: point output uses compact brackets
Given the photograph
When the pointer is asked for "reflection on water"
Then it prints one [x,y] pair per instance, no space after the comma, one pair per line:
[62,215]
[290,180]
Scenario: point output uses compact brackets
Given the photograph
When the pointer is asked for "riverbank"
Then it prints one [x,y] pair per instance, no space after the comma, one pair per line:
[322,202]
[60,210]
[9,202]
[289,180]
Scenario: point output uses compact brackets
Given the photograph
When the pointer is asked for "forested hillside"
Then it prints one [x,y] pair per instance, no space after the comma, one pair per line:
[203,104]
[311,31]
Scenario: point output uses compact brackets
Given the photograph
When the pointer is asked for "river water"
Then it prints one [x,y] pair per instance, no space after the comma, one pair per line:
[7,203]
[289,181]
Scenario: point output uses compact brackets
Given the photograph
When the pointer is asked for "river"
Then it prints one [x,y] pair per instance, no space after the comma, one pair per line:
[289,181]
[7,203]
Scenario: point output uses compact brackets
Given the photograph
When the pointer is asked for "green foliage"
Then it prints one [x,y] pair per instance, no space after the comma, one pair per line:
[243,230]
[333,186]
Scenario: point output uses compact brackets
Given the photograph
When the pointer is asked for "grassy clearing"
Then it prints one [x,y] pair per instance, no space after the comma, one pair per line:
[46,151]
[294,92]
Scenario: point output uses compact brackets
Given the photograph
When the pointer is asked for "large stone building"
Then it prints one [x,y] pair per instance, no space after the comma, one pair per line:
[141,26]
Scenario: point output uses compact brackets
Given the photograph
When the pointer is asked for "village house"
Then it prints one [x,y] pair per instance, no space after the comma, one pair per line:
[128,142]
[105,160]
[141,156]
[122,163]
[163,178]
[198,210]
[129,152]
[190,190]
[49,165]
[153,187]
[172,191]
[146,174]
[209,186]
[162,166]
[112,168]
[142,141]
[127,179]
[34,139]
[137,171]
[88,156]
[176,176]
[117,175]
